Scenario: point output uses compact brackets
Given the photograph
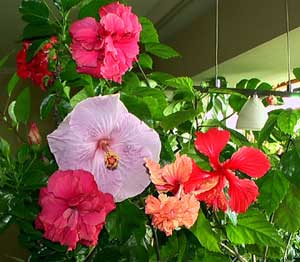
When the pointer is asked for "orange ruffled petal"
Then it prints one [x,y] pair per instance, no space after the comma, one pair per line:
[171,176]
[169,213]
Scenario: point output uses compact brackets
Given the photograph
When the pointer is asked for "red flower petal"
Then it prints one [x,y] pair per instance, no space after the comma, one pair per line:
[212,143]
[200,181]
[242,192]
[250,161]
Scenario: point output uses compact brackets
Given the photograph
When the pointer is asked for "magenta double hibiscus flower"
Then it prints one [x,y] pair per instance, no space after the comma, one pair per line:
[102,137]
[106,49]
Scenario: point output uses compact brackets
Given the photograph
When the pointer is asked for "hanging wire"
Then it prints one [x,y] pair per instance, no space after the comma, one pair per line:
[217,80]
[289,85]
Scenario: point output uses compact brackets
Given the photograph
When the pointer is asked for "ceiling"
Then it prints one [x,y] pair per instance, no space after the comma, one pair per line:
[267,62]
[169,17]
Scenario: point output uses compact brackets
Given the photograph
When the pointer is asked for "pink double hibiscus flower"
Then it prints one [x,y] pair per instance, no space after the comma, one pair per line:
[106,49]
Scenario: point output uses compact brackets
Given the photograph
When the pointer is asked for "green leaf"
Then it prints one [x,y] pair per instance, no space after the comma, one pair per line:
[161,50]
[160,77]
[237,102]
[290,166]
[34,11]
[125,221]
[38,30]
[23,153]
[136,106]
[66,5]
[266,131]
[4,148]
[11,113]
[80,96]
[264,86]
[296,72]
[23,105]
[34,48]
[204,233]
[34,179]
[173,120]
[149,33]
[242,84]
[273,188]
[92,8]
[287,121]
[145,61]
[252,83]
[47,105]
[287,215]
[12,84]
[253,228]
[3,60]
[184,84]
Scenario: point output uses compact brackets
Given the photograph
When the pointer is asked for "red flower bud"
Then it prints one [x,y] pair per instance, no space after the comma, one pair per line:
[271,100]
[34,137]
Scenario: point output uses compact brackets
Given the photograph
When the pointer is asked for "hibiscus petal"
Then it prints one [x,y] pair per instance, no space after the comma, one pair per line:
[212,143]
[112,23]
[85,30]
[84,57]
[95,118]
[200,181]
[242,192]
[250,161]
[70,150]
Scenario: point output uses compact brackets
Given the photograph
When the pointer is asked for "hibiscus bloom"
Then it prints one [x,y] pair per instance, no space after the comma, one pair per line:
[106,49]
[171,212]
[102,137]
[37,69]
[171,176]
[209,186]
[73,209]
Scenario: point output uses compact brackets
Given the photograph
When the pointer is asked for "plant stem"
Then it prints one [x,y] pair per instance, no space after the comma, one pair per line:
[144,75]
[11,127]
[156,244]
[267,247]
[287,247]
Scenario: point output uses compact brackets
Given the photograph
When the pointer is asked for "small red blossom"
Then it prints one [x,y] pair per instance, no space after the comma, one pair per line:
[209,185]
[37,69]
[73,209]
[271,100]
[34,137]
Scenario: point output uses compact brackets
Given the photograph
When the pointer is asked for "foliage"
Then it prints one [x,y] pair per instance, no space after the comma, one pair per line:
[170,105]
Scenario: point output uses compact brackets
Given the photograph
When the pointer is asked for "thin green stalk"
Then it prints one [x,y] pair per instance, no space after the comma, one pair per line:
[287,247]
[144,75]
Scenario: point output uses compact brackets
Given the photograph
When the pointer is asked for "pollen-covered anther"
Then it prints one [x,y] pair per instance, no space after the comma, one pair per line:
[111,160]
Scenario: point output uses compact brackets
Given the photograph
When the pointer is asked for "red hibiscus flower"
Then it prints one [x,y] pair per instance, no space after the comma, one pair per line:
[37,69]
[73,209]
[209,185]
[106,49]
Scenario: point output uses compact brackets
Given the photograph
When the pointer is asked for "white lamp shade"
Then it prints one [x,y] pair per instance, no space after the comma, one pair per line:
[253,115]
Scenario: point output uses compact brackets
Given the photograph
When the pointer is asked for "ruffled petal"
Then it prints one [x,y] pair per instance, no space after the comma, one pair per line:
[212,143]
[85,30]
[112,23]
[242,192]
[83,57]
[250,161]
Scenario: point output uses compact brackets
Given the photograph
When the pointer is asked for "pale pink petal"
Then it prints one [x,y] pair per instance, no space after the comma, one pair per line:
[95,118]
[69,149]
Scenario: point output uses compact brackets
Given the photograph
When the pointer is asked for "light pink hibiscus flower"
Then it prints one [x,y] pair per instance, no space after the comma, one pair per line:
[108,48]
[102,137]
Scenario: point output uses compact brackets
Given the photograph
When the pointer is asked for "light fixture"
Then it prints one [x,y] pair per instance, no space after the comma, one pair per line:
[253,115]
